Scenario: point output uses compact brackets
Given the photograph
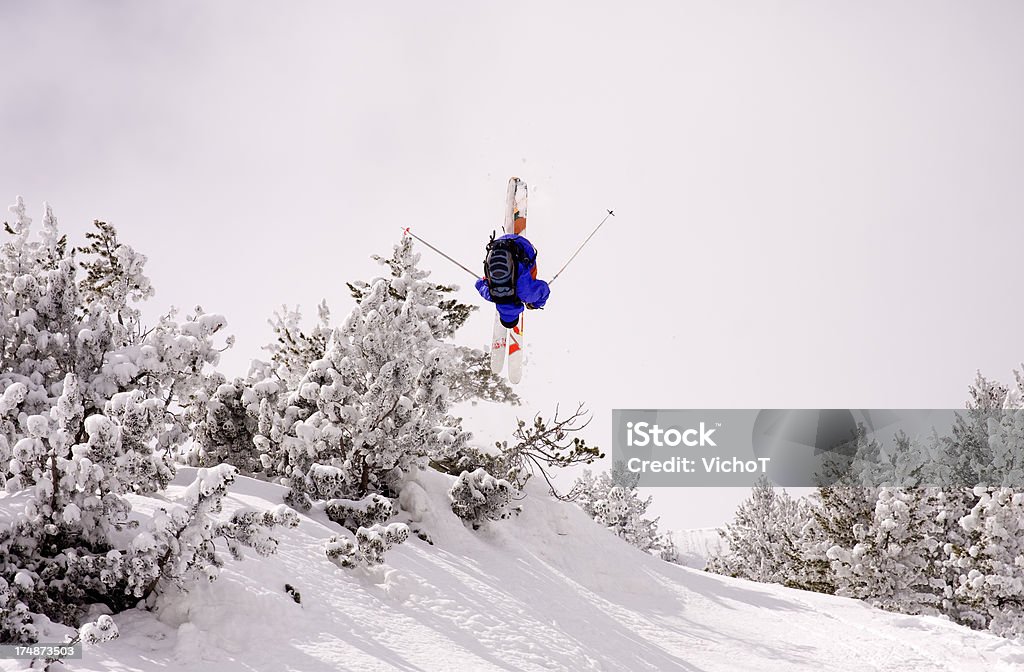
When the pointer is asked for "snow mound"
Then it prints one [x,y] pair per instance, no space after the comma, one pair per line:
[548,590]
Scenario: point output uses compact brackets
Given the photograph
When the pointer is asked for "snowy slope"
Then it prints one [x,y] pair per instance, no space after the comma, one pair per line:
[549,590]
[696,546]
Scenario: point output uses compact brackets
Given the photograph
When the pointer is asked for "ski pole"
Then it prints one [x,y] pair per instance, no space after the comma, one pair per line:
[407,231]
[555,277]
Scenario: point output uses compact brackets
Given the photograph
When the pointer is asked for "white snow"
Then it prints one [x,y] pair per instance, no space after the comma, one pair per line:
[548,590]
[72,514]
[24,579]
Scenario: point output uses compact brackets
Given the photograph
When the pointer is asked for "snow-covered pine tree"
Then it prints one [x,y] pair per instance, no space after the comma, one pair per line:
[400,328]
[763,541]
[227,419]
[989,589]
[835,512]
[91,408]
[1006,442]
[841,504]
[612,500]
[968,452]
[293,349]
[371,411]
[897,560]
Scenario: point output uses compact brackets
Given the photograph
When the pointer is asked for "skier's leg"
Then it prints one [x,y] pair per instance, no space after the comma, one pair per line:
[509,313]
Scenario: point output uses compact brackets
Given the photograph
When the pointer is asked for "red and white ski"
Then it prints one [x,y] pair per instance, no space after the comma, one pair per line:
[499,344]
[502,339]
[516,343]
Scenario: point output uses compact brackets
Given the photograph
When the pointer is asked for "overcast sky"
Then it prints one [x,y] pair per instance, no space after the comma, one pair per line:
[820,204]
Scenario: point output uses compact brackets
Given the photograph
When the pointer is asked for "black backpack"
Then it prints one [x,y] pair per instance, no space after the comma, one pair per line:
[501,268]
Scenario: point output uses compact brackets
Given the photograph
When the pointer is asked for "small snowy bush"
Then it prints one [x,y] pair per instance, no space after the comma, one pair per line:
[366,512]
[369,548]
[15,618]
[477,496]
[612,501]
[103,629]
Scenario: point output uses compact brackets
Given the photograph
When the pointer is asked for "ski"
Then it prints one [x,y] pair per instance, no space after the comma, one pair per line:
[517,341]
[499,343]
[515,206]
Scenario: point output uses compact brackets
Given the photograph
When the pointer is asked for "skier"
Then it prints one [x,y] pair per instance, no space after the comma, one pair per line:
[510,278]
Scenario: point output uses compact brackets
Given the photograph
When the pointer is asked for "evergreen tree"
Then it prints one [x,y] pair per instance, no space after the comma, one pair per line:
[293,350]
[469,377]
[612,500]
[968,452]
[836,513]
[763,539]
[92,407]
[896,562]
[371,411]
[989,588]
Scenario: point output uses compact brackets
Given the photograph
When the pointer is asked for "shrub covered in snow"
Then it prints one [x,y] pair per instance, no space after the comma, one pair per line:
[611,499]
[15,618]
[353,514]
[369,547]
[103,629]
[477,496]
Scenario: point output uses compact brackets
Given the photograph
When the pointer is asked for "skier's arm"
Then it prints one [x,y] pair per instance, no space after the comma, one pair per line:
[485,291]
[534,292]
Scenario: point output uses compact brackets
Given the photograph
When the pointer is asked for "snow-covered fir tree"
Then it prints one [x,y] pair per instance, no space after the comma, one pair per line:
[375,407]
[835,512]
[227,417]
[469,377]
[762,542]
[1006,438]
[92,406]
[897,560]
[968,453]
[989,587]
[612,500]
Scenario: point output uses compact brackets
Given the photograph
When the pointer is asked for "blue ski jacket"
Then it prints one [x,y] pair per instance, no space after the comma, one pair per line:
[528,288]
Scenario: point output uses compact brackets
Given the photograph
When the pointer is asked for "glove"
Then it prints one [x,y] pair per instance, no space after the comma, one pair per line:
[530,306]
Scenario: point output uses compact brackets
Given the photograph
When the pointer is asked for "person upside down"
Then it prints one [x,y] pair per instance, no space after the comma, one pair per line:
[510,278]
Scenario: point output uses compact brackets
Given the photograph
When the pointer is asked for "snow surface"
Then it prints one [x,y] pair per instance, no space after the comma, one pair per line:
[549,590]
